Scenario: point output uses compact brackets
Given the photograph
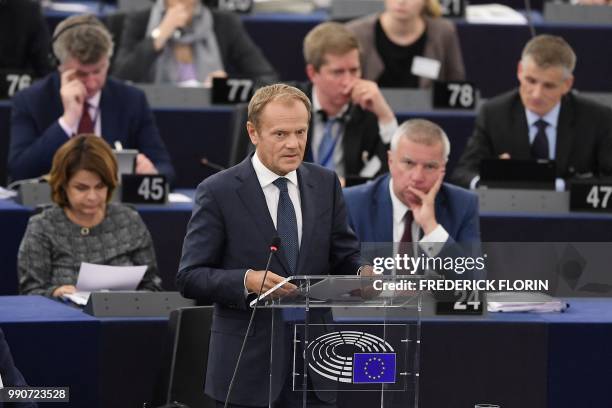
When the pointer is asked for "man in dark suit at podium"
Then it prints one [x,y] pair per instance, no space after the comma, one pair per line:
[542,120]
[236,215]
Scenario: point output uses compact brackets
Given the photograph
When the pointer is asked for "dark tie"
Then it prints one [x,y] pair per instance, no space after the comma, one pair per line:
[407,235]
[286,225]
[539,147]
[405,244]
[85,124]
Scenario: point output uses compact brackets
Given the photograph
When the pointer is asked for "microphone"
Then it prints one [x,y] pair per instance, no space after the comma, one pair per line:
[529,19]
[274,245]
[207,163]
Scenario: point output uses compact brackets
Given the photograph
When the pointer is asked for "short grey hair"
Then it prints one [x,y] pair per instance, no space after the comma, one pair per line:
[422,131]
[548,51]
[82,37]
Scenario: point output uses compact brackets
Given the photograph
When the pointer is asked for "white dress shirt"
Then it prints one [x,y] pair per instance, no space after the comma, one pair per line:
[94,114]
[266,178]
[425,243]
[385,130]
[552,118]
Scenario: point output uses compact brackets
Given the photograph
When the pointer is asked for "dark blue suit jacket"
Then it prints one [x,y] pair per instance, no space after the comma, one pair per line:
[371,212]
[229,232]
[36,133]
[11,377]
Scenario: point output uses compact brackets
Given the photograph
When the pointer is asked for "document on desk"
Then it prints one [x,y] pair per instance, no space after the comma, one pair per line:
[94,278]
[534,302]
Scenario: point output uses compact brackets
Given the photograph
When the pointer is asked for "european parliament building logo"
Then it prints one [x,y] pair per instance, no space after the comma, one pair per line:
[374,368]
[353,356]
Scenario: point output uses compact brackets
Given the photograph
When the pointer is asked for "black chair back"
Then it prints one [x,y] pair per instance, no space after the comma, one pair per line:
[182,380]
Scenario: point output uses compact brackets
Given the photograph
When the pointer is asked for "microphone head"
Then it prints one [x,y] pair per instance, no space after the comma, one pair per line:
[275,244]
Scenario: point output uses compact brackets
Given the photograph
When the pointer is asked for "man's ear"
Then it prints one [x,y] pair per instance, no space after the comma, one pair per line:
[252,133]
[310,71]
[568,83]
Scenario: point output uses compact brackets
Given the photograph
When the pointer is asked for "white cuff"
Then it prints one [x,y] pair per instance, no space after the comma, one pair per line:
[386,130]
[559,184]
[474,182]
[246,292]
[67,129]
[433,242]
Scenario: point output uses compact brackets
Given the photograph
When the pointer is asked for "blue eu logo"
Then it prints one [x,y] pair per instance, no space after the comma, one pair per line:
[373,368]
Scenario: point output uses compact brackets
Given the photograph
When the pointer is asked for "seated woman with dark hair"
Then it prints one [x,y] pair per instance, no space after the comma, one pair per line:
[184,42]
[83,226]
[407,29]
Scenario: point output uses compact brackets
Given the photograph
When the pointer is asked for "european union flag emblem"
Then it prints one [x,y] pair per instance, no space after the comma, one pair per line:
[373,368]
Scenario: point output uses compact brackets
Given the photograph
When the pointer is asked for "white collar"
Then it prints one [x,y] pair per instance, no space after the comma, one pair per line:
[267,176]
[94,101]
[552,117]
[399,208]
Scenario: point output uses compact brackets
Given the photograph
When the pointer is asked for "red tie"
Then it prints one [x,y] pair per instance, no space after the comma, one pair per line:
[405,244]
[407,235]
[86,124]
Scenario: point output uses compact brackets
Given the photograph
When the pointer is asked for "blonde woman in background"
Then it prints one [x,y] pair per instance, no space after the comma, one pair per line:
[407,29]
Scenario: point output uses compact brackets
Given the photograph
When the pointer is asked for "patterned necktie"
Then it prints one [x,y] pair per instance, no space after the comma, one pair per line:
[286,225]
[328,145]
[539,147]
[85,124]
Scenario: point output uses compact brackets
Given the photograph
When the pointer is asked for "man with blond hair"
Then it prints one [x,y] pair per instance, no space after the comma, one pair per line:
[542,119]
[79,98]
[352,123]
[237,214]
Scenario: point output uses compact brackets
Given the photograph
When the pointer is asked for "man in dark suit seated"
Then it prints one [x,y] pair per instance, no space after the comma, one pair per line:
[542,119]
[79,98]
[237,212]
[9,374]
[412,203]
[352,123]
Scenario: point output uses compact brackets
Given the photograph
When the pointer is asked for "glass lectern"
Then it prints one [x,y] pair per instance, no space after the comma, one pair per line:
[349,334]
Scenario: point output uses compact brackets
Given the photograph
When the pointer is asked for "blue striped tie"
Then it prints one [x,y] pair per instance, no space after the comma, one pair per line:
[286,225]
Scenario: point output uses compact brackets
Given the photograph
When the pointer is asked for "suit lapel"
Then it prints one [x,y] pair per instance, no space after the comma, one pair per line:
[253,199]
[564,134]
[309,208]
[109,126]
[382,212]
[442,215]
[521,148]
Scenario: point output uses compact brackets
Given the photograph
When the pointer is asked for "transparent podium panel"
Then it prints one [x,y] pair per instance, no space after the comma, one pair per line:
[368,351]
[344,291]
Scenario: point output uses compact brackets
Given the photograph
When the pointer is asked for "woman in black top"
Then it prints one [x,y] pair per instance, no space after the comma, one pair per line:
[407,29]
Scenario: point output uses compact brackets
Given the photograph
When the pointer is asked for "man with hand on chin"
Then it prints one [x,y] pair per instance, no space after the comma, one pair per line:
[78,99]
[352,123]
[412,204]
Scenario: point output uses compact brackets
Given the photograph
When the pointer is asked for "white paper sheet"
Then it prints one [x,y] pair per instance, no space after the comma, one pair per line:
[94,277]
[78,298]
